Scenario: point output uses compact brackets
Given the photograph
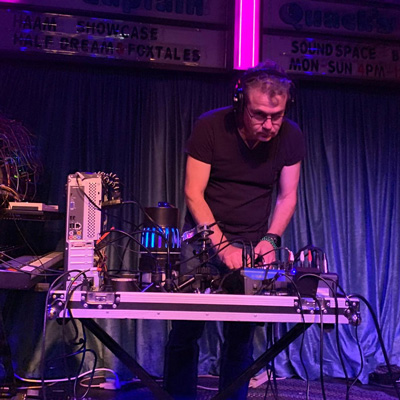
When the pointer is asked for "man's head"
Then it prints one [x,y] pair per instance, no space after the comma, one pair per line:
[265,91]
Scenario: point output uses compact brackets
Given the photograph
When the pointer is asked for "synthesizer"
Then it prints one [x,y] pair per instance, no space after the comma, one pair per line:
[25,271]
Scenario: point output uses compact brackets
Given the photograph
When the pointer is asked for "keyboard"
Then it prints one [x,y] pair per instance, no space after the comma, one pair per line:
[25,271]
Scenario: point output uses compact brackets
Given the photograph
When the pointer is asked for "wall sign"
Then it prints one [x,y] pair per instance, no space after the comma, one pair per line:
[347,59]
[337,40]
[332,19]
[119,39]
[210,11]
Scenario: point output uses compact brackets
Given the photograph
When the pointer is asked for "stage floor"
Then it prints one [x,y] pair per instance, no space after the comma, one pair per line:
[287,389]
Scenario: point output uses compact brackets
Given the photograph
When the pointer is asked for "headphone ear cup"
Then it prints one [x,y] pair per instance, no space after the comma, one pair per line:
[238,101]
[291,96]
[238,97]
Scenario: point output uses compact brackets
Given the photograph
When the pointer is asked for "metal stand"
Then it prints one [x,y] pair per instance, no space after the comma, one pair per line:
[126,359]
[270,367]
[264,359]
[160,393]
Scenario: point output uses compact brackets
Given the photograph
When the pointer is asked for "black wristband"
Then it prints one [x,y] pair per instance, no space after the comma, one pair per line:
[275,240]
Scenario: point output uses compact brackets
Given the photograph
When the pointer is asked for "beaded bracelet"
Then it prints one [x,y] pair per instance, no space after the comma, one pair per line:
[275,240]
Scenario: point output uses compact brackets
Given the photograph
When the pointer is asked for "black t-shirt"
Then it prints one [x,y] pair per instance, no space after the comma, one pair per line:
[241,180]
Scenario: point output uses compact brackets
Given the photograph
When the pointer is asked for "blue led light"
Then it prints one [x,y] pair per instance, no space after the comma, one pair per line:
[152,238]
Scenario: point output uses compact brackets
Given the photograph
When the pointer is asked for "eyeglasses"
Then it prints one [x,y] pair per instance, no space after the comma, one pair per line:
[262,118]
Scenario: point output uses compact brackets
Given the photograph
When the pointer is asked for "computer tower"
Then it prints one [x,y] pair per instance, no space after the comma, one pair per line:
[83,225]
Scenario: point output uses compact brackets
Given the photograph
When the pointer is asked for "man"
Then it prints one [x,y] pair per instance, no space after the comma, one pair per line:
[236,155]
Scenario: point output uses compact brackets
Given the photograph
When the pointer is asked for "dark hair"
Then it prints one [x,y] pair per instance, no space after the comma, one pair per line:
[270,77]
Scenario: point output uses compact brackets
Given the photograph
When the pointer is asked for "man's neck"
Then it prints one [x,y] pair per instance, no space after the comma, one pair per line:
[250,143]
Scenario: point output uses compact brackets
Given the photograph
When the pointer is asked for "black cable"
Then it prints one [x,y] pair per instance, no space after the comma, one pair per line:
[333,291]
[83,397]
[108,211]
[160,229]
[83,352]
[378,330]
[36,270]
[226,242]
[146,214]
[348,384]
[81,190]
[122,257]
[25,240]
[321,333]
[271,371]
[43,349]
[266,284]
[302,336]
[275,250]
[321,348]
[338,345]
[131,238]
[361,363]
[16,267]
[252,255]
[68,295]
[113,243]
[218,245]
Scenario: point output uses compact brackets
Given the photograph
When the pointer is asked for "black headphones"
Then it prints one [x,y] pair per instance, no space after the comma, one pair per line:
[238,95]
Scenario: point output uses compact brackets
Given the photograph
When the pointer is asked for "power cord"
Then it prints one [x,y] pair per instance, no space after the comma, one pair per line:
[321,348]
[380,338]
[303,334]
[54,285]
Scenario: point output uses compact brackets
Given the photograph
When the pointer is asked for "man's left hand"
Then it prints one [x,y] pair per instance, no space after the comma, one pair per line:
[265,251]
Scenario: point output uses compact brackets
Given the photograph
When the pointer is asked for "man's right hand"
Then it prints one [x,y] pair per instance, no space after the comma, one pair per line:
[231,256]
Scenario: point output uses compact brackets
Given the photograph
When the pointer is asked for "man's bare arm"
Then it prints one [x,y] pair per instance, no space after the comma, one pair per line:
[197,176]
[286,199]
[284,208]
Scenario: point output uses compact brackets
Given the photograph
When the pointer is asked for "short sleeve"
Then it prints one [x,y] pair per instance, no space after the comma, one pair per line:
[200,143]
[294,143]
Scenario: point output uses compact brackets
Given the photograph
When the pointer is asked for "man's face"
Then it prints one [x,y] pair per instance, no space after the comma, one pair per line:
[263,115]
